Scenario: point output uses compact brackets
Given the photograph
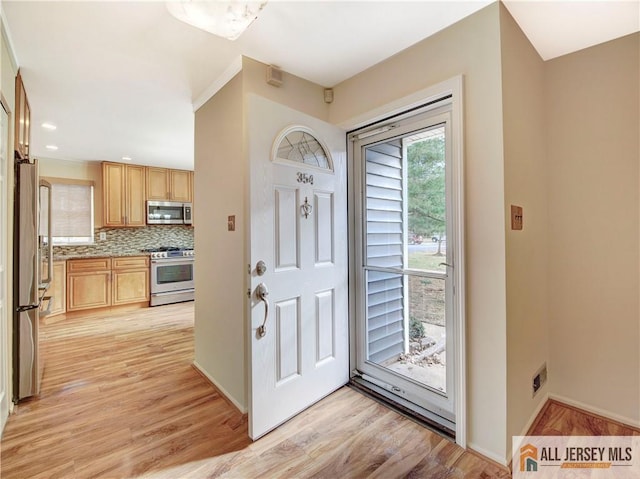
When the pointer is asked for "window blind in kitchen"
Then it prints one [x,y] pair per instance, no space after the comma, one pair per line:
[71,210]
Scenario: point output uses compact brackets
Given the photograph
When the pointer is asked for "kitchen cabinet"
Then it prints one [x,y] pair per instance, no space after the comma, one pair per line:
[164,184]
[100,282]
[130,276]
[88,283]
[58,288]
[124,194]
[22,127]
[180,186]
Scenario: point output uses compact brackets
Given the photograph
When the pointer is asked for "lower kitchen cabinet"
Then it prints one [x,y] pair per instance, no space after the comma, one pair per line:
[101,282]
[130,279]
[88,283]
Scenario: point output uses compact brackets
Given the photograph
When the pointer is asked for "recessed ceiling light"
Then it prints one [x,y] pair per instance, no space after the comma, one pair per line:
[126,158]
[49,126]
[51,147]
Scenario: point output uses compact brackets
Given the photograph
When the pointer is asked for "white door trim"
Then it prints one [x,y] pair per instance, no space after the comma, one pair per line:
[454,88]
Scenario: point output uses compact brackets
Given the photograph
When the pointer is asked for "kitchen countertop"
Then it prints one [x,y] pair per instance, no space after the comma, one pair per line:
[102,254]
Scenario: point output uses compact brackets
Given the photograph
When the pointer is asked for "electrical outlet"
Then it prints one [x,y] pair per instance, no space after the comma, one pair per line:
[103,236]
[231,223]
[539,379]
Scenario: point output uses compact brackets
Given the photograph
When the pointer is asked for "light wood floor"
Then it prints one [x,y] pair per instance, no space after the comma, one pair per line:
[120,399]
[557,419]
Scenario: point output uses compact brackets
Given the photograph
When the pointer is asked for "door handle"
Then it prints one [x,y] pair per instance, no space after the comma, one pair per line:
[262,292]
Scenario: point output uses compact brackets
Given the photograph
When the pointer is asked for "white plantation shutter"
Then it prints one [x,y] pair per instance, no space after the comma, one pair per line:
[71,211]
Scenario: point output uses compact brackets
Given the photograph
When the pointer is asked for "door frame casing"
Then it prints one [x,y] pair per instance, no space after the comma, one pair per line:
[5,317]
[392,113]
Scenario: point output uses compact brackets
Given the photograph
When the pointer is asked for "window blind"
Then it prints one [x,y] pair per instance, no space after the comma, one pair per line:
[71,211]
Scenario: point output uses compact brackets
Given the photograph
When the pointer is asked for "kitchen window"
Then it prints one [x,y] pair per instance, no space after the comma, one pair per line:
[71,211]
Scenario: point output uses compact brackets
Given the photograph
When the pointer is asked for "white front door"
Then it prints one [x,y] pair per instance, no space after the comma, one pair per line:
[5,316]
[298,221]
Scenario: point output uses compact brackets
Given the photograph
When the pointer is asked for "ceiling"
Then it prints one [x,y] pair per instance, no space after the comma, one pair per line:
[121,78]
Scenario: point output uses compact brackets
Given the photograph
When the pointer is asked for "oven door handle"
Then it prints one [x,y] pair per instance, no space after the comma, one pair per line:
[164,261]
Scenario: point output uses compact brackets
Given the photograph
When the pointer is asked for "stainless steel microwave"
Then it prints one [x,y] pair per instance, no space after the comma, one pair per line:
[168,213]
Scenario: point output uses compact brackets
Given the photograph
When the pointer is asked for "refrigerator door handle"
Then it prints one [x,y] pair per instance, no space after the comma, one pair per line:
[49,235]
[49,239]
[43,288]
[28,307]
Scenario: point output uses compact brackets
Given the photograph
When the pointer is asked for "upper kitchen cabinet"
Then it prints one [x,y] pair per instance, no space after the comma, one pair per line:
[22,120]
[170,185]
[124,194]
[180,182]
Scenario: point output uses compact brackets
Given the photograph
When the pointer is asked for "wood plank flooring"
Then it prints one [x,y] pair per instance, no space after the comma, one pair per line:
[120,399]
[557,419]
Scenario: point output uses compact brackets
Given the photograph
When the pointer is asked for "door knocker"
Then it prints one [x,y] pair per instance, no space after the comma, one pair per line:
[306,208]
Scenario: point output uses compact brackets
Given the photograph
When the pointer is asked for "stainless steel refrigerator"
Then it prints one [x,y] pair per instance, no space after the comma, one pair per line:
[32,274]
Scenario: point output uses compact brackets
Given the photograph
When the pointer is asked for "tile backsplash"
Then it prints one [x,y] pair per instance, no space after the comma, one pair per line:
[127,241]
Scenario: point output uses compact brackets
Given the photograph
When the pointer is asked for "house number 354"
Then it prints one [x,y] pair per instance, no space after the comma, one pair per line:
[304,178]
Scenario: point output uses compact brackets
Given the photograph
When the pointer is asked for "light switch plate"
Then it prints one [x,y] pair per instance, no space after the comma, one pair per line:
[231,223]
[516,217]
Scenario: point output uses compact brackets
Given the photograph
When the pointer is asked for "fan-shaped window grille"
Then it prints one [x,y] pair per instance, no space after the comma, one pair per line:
[300,146]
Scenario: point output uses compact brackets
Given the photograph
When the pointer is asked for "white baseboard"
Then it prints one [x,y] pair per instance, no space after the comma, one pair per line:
[534,415]
[595,410]
[226,394]
[488,454]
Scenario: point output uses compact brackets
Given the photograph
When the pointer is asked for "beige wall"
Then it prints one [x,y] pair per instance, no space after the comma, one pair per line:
[220,176]
[296,92]
[592,113]
[221,179]
[472,48]
[525,180]
[77,170]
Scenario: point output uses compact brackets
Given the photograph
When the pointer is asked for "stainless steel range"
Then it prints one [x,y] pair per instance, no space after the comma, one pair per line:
[172,279]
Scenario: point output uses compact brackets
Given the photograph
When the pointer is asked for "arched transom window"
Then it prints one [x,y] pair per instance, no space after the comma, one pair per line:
[300,145]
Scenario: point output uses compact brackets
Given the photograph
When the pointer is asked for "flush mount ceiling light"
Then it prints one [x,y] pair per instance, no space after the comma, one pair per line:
[228,19]
[126,158]
[49,126]
[51,147]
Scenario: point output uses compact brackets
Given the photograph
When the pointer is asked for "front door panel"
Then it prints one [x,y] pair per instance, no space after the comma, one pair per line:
[299,229]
